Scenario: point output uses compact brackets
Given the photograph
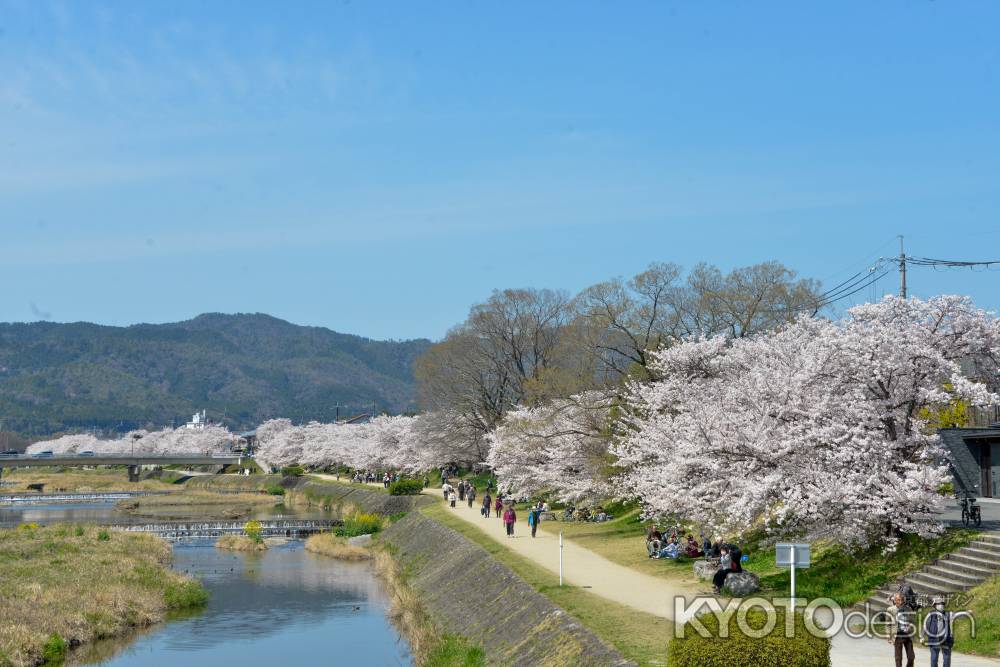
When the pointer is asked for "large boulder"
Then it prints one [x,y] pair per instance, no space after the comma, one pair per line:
[360,541]
[741,584]
[705,569]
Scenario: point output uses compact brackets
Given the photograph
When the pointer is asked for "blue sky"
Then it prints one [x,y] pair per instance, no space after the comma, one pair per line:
[378,167]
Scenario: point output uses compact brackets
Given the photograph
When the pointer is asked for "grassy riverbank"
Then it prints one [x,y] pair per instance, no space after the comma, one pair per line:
[429,647]
[638,636]
[332,546]
[198,503]
[65,585]
[77,480]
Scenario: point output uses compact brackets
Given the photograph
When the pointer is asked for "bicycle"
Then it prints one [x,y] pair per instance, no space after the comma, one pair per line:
[971,512]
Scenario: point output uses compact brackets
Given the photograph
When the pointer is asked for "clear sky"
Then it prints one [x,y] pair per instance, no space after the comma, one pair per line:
[376,167]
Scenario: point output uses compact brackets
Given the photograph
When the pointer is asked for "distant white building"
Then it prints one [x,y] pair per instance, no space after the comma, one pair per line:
[198,421]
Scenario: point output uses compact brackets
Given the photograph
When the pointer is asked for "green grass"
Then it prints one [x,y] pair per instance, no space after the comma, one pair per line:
[638,636]
[843,575]
[851,576]
[986,611]
[81,585]
[453,651]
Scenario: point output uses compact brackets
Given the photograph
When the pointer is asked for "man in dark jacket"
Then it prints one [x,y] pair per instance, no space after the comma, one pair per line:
[938,633]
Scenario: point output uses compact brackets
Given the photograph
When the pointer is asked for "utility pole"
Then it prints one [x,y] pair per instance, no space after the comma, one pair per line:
[902,269]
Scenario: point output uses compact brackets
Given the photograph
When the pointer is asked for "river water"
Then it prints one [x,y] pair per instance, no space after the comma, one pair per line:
[281,607]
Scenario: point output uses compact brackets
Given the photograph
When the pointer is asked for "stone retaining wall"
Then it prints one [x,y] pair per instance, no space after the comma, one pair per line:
[470,593]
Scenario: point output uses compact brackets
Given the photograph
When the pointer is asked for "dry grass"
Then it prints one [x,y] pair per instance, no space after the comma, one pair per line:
[225,505]
[239,543]
[82,481]
[328,544]
[82,584]
[406,611]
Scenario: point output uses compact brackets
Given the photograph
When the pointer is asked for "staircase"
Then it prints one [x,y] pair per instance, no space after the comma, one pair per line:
[957,572]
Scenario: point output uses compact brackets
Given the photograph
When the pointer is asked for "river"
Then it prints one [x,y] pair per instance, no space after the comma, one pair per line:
[284,606]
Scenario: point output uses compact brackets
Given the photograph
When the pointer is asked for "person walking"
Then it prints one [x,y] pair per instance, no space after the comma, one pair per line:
[461,490]
[533,516]
[937,633]
[452,498]
[901,629]
[499,505]
[509,518]
[470,495]
[487,505]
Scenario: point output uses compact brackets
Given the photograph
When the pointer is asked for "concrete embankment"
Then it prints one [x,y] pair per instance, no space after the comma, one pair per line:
[464,589]
[470,593]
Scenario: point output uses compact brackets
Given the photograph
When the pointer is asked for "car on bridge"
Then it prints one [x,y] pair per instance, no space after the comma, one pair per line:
[47,454]
[9,454]
[85,452]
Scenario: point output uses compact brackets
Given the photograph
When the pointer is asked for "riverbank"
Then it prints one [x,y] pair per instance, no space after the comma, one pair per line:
[68,585]
[78,480]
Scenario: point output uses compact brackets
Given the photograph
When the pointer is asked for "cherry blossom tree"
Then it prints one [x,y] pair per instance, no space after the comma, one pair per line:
[813,429]
[211,439]
[560,446]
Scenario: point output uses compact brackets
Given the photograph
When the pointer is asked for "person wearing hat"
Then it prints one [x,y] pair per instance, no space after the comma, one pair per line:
[937,633]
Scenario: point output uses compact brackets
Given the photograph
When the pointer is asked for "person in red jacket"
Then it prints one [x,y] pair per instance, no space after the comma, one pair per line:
[509,517]
[498,506]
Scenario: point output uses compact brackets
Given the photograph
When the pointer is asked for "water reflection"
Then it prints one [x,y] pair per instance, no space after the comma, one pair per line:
[282,607]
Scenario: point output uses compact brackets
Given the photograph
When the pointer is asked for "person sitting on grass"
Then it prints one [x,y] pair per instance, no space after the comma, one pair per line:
[654,541]
[671,549]
[692,550]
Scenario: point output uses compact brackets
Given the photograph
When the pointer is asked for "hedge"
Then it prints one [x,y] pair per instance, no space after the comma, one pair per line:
[773,650]
[406,487]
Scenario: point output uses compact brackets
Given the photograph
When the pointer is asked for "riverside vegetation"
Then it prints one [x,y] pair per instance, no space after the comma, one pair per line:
[67,585]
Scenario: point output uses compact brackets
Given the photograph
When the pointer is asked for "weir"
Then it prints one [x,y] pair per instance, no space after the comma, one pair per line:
[193,529]
[43,498]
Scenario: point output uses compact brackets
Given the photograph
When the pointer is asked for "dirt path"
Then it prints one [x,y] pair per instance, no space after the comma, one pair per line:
[581,567]
[586,569]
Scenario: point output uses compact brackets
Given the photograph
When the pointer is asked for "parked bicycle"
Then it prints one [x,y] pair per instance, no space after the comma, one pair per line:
[971,512]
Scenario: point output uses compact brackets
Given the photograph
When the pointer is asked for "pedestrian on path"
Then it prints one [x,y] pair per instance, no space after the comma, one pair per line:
[487,505]
[452,498]
[533,519]
[901,630]
[470,495]
[937,633]
[509,517]
[461,490]
[499,505]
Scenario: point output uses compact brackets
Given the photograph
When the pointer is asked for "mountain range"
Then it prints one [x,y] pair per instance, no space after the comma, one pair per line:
[241,369]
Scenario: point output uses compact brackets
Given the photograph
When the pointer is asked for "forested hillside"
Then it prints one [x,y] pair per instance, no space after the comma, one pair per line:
[241,368]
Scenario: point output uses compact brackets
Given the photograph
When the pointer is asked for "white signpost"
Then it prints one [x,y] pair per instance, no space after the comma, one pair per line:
[791,555]
[560,557]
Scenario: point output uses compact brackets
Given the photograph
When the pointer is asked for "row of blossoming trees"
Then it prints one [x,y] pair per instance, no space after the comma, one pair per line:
[814,429]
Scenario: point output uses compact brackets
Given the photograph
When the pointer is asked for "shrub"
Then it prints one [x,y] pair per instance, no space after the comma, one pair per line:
[253,529]
[360,523]
[103,535]
[54,649]
[78,531]
[293,471]
[276,490]
[184,594]
[773,650]
[406,487]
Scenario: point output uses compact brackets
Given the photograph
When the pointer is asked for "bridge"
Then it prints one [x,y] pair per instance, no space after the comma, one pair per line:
[132,461]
